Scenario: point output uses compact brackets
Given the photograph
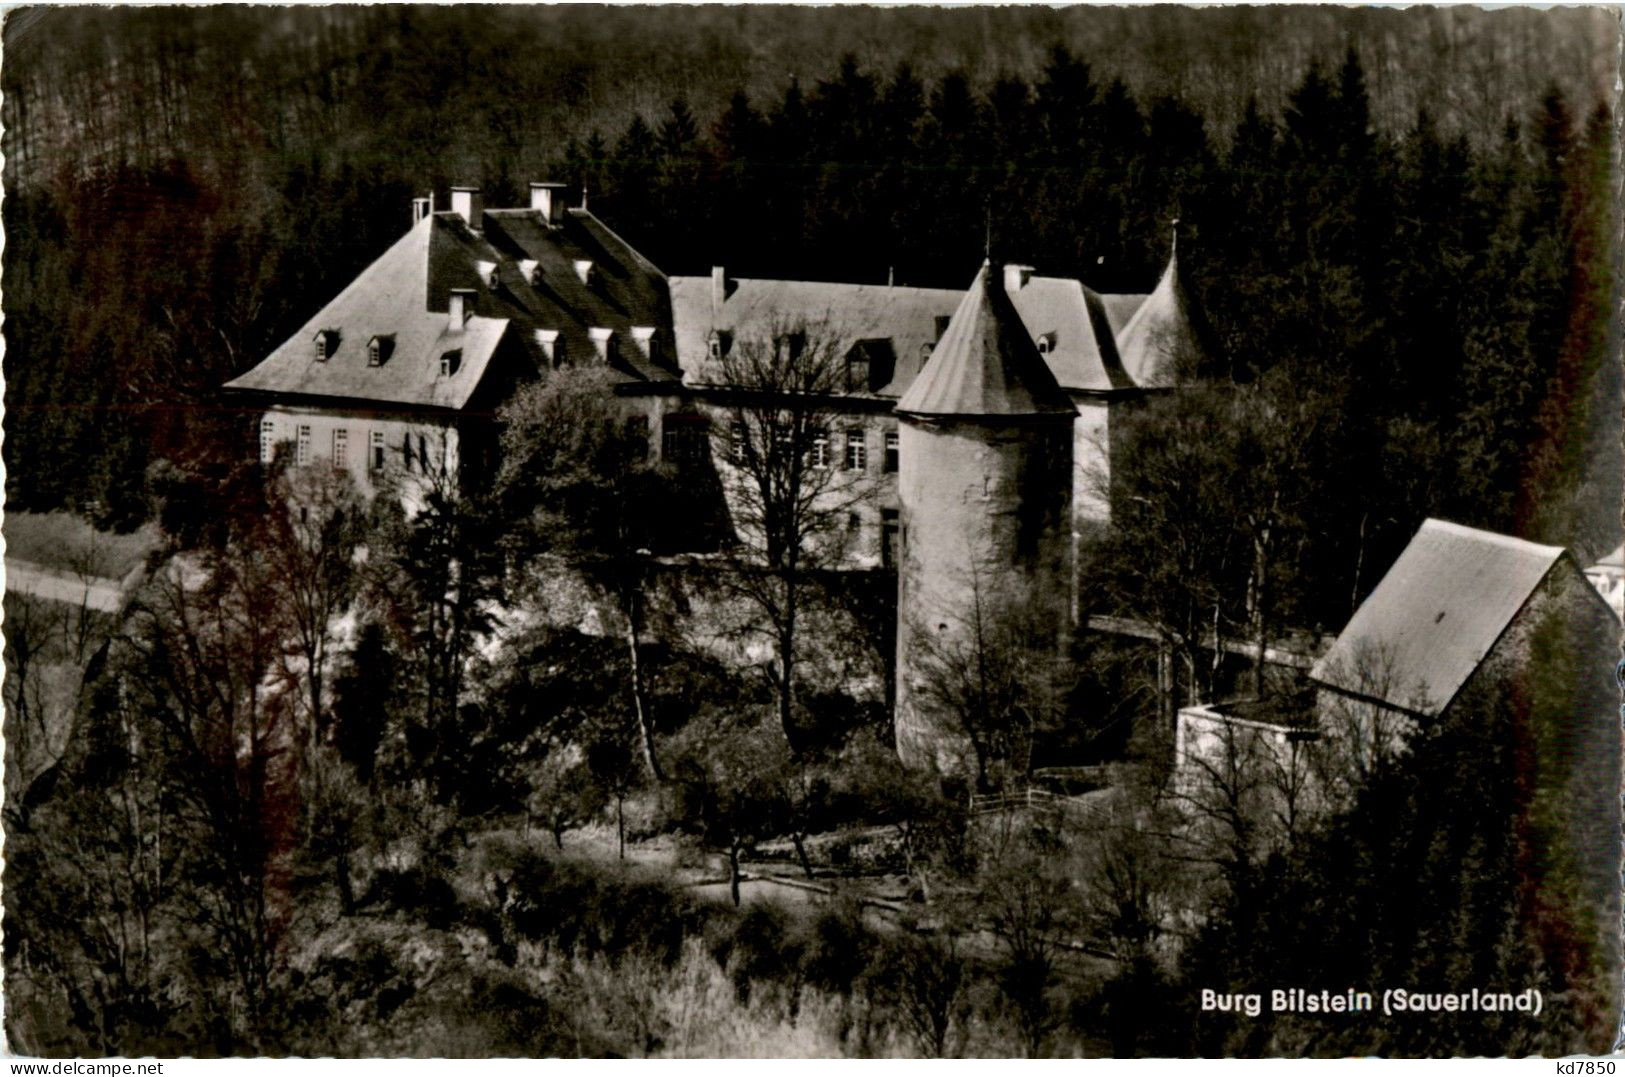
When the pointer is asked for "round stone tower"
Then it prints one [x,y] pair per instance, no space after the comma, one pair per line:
[985,480]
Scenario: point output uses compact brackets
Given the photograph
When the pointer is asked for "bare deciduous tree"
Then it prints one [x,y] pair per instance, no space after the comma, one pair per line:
[310,545]
[1025,894]
[789,495]
[996,675]
[205,640]
[433,575]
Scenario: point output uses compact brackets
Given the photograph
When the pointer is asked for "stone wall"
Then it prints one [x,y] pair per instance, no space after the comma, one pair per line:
[985,533]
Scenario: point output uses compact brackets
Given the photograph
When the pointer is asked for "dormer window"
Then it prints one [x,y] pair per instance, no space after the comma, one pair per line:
[488,274]
[531,270]
[551,345]
[379,348]
[327,342]
[788,347]
[584,269]
[857,370]
[450,362]
[870,365]
[644,337]
[1046,343]
[603,342]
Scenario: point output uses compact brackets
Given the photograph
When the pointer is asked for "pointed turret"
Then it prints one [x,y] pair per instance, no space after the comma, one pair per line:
[985,364]
[1159,340]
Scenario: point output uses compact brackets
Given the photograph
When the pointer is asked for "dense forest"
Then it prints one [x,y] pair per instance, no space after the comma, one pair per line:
[1422,249]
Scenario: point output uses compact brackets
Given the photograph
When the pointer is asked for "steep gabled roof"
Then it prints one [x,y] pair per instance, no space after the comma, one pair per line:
[1435,617]
[388,297]
[986,363]
[405,295]
[1082,354]
[1152,342]
[851,313]
[1120,307]
[1080,321]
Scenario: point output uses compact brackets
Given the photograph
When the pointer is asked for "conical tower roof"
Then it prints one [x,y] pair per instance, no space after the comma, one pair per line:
[985,364]
[1160,333]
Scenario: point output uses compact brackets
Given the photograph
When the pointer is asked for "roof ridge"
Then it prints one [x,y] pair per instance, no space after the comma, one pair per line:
[643,260]
[1511,542]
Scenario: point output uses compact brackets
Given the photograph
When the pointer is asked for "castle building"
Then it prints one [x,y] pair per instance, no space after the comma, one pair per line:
[978,425]
[397,378]
[887,335]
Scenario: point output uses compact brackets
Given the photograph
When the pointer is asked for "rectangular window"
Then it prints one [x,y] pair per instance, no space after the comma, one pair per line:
[857,372]
[889,528]
[684,439]
[267,440]
[423,454]
[736,444]
[893,443]
[301,452]
[820,448]
[378,450]
[341,447]
[406,451]
[636,430]
[857,451]
[675,445]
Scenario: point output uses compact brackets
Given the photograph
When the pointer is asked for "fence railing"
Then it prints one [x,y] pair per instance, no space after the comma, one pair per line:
[1028,798]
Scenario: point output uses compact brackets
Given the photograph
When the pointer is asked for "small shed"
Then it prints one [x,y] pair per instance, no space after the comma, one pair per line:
[1464,608]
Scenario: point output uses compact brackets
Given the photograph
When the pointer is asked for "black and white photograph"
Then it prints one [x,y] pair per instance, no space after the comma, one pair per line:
[787,531]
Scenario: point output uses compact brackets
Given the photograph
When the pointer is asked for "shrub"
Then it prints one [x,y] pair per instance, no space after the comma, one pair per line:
[417,891]
[836,955]
[763,950]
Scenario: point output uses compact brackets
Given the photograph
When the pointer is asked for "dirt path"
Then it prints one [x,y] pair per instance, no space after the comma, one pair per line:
[95,592]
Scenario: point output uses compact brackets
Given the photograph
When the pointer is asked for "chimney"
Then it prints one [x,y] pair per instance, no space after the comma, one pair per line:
[421,208]
[719,290]
[459,308]
[1016,277]
[466,203]
[549,199]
